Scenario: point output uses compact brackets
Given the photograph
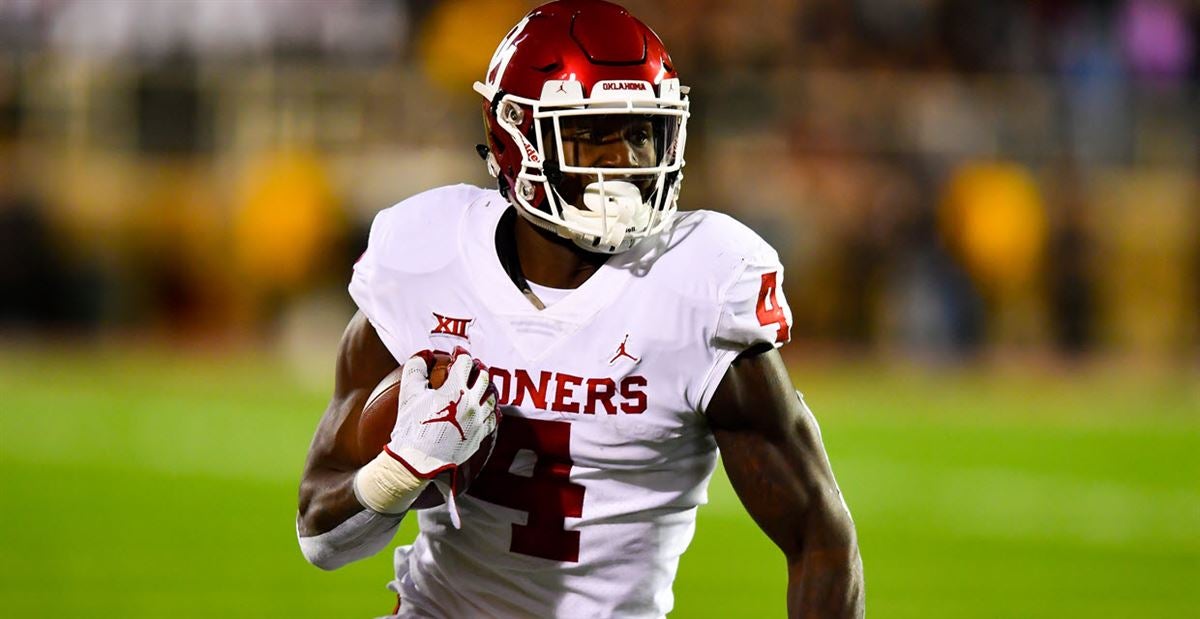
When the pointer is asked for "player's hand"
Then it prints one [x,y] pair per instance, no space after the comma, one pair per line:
[438,429]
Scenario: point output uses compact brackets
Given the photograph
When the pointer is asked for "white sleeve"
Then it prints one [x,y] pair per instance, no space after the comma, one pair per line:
[753,311]
[374,285]
[401,250]
[359,537]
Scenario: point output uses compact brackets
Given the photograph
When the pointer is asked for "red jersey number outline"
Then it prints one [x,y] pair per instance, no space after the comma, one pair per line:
[548,496]
[773,315]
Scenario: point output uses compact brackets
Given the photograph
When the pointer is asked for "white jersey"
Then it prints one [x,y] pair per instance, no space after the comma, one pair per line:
[590,495]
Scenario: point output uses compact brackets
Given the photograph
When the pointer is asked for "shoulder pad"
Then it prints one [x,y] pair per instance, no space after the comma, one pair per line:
[702,252]
[421,233]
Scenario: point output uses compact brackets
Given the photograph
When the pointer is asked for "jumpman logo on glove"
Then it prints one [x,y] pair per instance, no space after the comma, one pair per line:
[451,416]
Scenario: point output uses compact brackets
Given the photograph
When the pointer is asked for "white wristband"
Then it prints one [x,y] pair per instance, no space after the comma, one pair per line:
[385,486]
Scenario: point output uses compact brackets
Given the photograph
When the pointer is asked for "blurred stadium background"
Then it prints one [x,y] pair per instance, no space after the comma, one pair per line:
[989,212]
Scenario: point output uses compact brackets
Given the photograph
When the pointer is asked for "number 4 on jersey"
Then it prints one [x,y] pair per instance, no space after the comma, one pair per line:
[769,310]
[548,495]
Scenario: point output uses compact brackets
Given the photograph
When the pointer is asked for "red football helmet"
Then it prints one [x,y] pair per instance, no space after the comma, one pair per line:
[586,124]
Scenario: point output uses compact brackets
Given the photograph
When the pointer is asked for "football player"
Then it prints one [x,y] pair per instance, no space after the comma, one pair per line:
[626,343]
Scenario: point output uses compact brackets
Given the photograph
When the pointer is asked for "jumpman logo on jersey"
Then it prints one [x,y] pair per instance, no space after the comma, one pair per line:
[451,416]
[622,352]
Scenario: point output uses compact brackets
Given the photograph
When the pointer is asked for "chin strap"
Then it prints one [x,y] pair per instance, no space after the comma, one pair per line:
[506,250]
[493,167]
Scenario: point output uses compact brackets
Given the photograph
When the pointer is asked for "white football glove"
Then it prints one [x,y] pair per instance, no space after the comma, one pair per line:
[438,429]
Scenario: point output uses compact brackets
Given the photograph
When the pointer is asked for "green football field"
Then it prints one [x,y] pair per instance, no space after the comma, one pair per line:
[149,484]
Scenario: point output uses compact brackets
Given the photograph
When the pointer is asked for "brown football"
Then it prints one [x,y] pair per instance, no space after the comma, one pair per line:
[379,416]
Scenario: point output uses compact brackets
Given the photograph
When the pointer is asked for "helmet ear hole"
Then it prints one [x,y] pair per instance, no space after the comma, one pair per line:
[512,113]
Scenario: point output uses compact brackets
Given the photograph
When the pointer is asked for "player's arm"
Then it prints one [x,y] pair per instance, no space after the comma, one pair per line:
[327,499]
[347,511]
[772,451]
[326,487]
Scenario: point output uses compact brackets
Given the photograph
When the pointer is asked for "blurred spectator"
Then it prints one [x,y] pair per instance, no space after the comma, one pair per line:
[929,307]
[286,226]
[32,276]
[1156,38]
[1095,110]
[994,220]
[200,164]
[459,37]
[1147,226]
[1071,276]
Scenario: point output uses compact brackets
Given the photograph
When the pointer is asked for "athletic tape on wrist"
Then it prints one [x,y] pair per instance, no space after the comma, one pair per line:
[386,486]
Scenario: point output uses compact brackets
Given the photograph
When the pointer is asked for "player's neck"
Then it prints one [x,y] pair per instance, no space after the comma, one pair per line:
[550,260]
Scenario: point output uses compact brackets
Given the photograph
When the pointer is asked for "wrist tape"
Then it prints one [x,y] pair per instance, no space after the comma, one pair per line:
[386,486]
